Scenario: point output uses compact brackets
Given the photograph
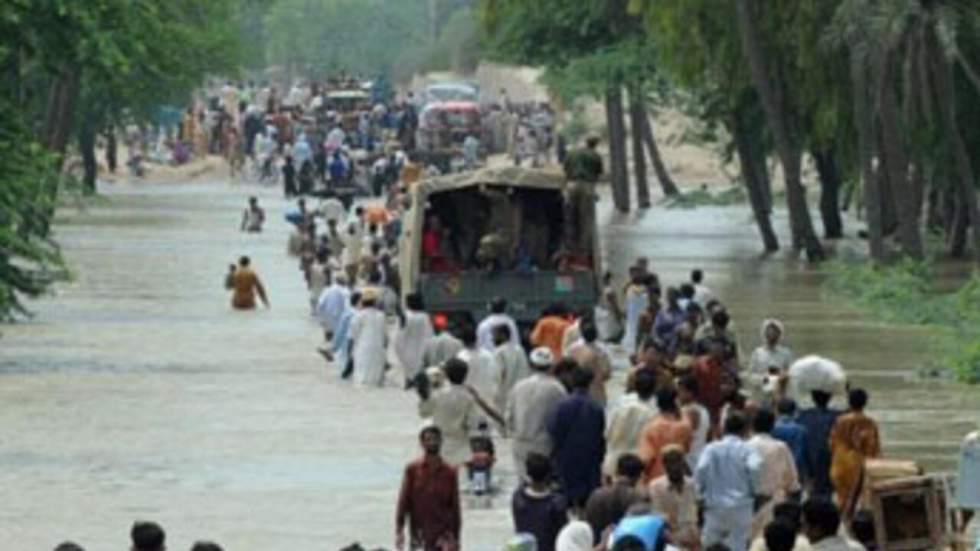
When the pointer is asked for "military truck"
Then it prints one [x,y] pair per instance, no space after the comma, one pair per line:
[452,224]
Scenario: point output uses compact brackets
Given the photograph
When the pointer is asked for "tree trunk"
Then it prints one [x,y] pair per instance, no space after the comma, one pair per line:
[895,161]
[830,184]
[762,169]
[752,177]
[934,211]
[958,231]
[111,151]
[771,95]
[86,146]
[946,92]
[638,113]
[666,182]
[619,174]
[889,218]
[60,111]
[864,121]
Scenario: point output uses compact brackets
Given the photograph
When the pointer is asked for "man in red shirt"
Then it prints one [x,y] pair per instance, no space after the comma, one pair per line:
[712,373]
[429,500]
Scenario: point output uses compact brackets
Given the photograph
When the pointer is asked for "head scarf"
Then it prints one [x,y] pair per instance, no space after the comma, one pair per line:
[774,323]
[575,536]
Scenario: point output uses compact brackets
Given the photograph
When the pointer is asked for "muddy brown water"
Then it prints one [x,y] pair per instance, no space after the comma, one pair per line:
[135,393]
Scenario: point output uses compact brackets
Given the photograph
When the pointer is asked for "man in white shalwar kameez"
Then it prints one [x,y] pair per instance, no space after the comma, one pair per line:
[529,407]
[512,361]
[339,350]
[332,303]
[410,341]
[442,346]
[498,316]
[455,411]
[484,372]
[368,331]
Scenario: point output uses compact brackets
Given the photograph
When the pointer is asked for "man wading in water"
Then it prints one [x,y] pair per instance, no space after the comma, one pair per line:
[245,284]
[253,217]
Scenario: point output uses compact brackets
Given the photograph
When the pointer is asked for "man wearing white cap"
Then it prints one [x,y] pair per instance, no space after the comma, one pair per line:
[528,407]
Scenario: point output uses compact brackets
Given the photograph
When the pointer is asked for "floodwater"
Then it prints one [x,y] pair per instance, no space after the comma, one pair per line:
[136,393]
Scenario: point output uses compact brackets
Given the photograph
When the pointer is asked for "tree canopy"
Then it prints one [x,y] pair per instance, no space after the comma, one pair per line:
[315,39]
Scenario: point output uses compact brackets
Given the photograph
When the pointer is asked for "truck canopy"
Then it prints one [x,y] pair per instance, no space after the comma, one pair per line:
[468,207]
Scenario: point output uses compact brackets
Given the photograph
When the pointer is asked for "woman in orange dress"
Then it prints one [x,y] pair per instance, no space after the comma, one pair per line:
[853,439]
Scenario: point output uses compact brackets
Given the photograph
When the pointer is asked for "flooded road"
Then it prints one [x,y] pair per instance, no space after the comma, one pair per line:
[136,393]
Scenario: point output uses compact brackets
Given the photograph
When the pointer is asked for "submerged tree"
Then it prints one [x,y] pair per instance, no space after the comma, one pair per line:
[701,57]
[915,129]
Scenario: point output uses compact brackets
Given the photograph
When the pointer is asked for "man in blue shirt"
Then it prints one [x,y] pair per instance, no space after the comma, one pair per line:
[818,421]
[793,434]
[577,430]
[727,476]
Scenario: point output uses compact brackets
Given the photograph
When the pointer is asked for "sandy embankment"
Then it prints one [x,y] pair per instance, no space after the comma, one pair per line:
[211,167]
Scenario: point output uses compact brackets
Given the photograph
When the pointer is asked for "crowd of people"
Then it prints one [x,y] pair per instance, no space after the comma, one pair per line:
[709,447]
[306,136]
[701,450]
[314,140]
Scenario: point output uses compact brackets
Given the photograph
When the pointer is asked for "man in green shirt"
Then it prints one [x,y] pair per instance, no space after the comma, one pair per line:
[584,164]
[583,168]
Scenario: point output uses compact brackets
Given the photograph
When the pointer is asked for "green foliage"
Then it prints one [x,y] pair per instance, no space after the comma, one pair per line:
[702,197]
[321,38]
[110,61]
[904,293]
[161,51]
[548,33]
[577,126]
[29,258]
[457,48]
[585,46]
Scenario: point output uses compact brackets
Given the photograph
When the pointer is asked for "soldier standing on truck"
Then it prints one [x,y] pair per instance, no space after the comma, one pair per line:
[583,168]
[497,244]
